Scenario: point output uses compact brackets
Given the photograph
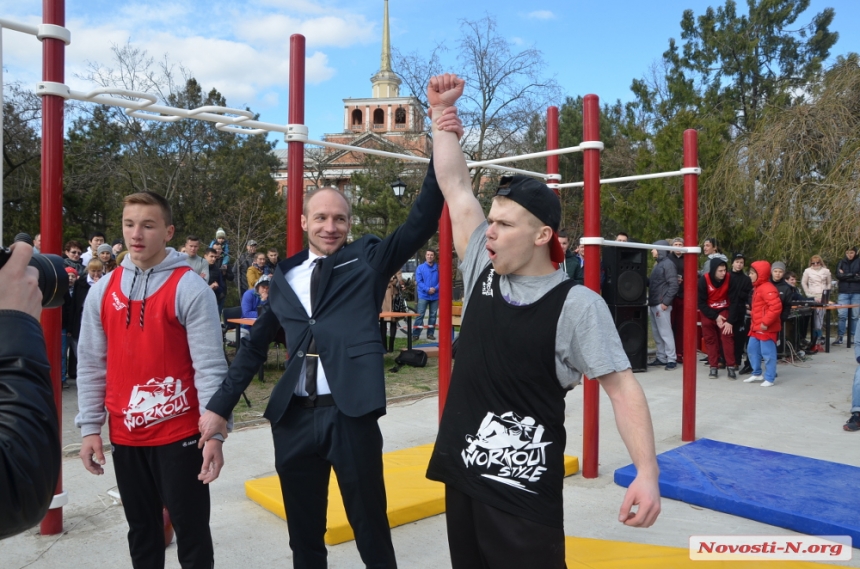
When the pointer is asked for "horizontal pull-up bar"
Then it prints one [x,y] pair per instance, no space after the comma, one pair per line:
[681,172]
[632,245]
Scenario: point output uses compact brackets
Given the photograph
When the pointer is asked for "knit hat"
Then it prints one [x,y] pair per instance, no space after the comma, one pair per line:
[778,265]
[220,233]
[104,248]
[71,271]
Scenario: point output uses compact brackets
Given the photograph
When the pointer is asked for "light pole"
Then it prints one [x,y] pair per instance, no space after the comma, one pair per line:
[399,189]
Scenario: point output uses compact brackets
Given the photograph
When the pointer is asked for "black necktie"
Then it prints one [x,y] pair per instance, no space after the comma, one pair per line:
[312,357]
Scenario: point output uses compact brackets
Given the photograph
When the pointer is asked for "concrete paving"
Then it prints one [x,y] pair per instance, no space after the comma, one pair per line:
[802,414]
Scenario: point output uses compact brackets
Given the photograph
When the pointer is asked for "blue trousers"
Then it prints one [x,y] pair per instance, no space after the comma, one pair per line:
[855,392]
[848,298]
[423,305]
[762,349]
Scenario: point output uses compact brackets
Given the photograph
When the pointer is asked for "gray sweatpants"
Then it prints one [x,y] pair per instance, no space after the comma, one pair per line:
[661,326]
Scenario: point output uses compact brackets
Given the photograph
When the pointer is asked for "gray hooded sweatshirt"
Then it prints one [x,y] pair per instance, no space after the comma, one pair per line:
[663,283]
[197,312]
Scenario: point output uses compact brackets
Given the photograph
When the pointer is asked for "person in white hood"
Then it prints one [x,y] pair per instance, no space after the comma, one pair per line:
[149,360]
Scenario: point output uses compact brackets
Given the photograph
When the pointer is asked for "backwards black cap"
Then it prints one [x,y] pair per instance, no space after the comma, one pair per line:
[538,200]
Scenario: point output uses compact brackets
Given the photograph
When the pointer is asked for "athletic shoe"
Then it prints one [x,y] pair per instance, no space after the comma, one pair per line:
[416,338]
[431,337]
[704,359]
[670,366]
[655,362]
[732,372]
[754,378]
[853,423]
[838,341]
[713,372]
[766,384]
[746,369]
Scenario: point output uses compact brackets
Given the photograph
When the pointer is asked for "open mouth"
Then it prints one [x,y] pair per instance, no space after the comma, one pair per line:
[491,253]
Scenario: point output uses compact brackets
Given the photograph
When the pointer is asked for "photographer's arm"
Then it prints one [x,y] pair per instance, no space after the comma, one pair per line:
[29,433]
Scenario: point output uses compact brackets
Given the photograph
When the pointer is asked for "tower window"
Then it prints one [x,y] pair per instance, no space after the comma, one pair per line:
[378,117]
[356,118]
[400,116]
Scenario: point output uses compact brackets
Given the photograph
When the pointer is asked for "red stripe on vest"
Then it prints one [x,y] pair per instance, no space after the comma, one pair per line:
[718,298]
[150,395]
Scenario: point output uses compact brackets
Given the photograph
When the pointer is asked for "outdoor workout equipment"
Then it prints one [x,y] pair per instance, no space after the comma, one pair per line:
[145,106]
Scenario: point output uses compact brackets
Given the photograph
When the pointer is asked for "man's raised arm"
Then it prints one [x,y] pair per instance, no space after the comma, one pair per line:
[451,171]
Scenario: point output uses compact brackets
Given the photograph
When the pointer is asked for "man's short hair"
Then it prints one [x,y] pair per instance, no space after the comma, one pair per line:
[150,198]
[192,238]
[563,234]
[97,234]
[273,250]
[210,250]
[72,243]
[621,233]
[315,191]
[790,275]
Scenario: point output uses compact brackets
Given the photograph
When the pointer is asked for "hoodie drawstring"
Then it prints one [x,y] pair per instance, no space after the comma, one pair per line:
[131,294]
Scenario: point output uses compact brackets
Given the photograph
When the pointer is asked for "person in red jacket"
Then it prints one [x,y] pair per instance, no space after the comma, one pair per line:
[765,325]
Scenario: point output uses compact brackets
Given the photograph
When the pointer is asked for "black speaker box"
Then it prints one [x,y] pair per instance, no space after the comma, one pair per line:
[632,325]
[625,283]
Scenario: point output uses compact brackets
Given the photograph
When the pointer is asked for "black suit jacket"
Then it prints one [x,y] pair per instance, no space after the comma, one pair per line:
[345,322]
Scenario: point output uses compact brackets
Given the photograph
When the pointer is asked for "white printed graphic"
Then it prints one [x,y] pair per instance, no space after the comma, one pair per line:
[117,303]
[508,449]
[487,287]
[156,401]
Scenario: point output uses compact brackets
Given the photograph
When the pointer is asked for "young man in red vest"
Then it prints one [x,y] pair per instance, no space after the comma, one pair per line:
[149,359]
[528,337]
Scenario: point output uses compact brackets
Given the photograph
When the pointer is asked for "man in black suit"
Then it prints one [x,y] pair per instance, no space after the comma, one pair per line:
[325,408]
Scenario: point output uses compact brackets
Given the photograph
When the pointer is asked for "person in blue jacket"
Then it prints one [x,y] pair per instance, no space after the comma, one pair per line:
[427,288]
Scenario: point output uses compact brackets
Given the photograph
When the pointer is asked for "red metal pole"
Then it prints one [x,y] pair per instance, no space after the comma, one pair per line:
[446,299]
[296,149]
[552,144]
[53,65]
[591,177]
[691,238]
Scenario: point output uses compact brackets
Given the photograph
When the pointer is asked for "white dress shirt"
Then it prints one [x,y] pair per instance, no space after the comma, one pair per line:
[299,279]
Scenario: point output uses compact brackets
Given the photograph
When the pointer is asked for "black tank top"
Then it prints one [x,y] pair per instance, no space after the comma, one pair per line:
[501,439]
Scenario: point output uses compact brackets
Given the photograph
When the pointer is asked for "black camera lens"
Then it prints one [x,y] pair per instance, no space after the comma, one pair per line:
[53,279]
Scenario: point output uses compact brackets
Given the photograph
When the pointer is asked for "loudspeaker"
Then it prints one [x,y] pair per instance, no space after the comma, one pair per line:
[632,325]
[624,282]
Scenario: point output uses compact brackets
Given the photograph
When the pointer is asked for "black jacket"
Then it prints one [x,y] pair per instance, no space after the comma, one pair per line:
[29,431]
[849,277]
[76,312]
[786,293]
[740,294]
[345,321]
[573,267]
[736,309]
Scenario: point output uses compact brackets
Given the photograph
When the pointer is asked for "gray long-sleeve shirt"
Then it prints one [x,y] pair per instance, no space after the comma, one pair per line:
[196,310]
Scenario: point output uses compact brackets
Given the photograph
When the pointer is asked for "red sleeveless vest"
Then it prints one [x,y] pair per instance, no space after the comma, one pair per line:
[150,395]
[718,298]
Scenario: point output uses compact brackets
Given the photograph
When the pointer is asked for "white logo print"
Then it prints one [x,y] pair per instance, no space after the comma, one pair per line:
[487,287]
[509,448]
[157,401]
[117,303]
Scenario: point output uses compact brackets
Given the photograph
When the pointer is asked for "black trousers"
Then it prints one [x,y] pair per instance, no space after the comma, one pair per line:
[483,537]
[308,443]
[392,326]
[149,478]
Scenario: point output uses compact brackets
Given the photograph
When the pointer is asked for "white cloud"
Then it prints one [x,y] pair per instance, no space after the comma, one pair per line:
[541,15]
[320,32]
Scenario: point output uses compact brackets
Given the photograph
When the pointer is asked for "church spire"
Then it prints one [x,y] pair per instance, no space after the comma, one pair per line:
[386,83]
[385,65]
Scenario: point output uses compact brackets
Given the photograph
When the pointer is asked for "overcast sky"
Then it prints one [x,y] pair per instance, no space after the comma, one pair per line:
[241,48]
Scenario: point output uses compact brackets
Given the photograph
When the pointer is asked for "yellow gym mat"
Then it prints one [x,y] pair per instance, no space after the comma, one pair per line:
[585,553]
[411,496]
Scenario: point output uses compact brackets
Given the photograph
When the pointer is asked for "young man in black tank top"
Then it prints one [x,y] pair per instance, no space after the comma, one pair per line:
[525,341]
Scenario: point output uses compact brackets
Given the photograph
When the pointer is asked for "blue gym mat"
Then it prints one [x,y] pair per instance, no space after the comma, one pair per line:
[810,496]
